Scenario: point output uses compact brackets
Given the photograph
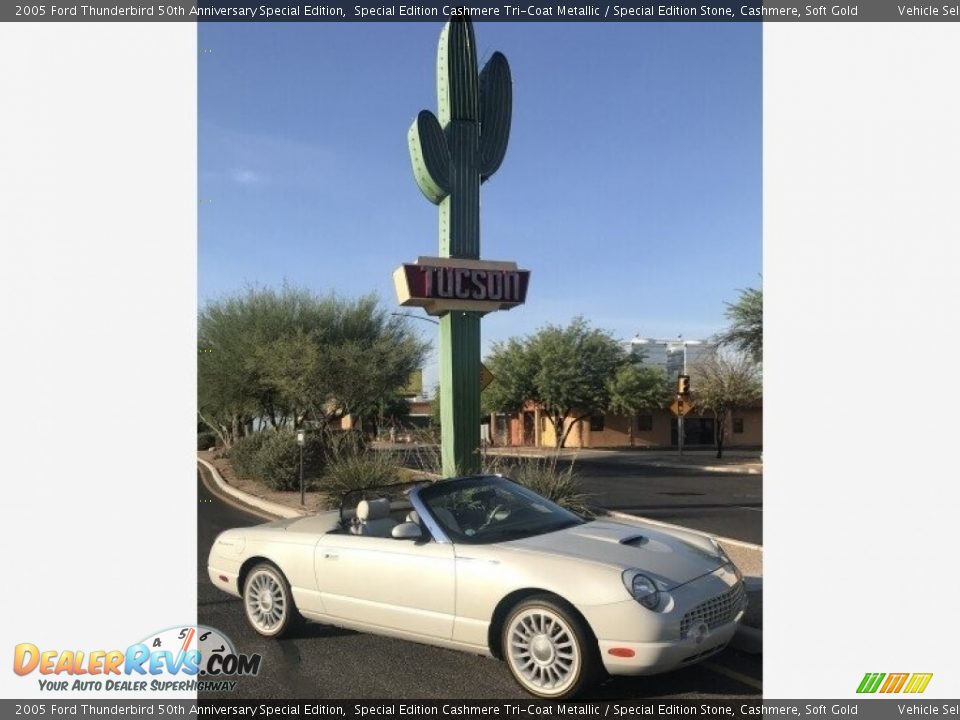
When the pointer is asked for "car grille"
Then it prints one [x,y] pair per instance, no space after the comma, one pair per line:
[716,611]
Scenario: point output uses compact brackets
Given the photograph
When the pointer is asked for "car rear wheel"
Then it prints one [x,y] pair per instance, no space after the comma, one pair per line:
[268,602]
[549,651]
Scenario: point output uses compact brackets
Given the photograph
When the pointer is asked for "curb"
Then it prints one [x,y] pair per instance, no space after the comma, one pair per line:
[272,508]
[709,468]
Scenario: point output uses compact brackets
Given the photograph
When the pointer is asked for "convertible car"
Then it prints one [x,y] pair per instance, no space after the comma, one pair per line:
[484,565]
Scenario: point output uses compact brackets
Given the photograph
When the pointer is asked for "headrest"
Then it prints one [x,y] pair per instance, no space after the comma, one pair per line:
[373,509]
[413,516]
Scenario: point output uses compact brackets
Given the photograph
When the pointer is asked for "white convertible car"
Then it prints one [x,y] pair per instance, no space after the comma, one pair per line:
[484,565]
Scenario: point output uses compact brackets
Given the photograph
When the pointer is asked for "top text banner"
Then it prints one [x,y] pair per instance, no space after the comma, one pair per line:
[478,10]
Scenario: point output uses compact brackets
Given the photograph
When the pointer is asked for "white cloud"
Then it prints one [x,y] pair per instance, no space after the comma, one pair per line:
[247,177]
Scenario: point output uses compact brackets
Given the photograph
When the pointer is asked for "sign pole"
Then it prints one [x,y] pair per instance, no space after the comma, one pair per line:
[450,159]
[680,429]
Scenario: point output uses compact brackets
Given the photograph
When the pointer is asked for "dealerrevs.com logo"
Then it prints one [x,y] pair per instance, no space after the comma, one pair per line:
[184,658]
[894,683]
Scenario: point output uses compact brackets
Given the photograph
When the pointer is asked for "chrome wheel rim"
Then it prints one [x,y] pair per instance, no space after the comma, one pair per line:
[543,651]
[265,601]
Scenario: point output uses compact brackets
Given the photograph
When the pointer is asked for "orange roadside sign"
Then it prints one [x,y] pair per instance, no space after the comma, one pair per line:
[680,407]
[486,377]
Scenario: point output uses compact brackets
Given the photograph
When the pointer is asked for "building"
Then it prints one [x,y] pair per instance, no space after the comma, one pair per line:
[672,356]
[657,429]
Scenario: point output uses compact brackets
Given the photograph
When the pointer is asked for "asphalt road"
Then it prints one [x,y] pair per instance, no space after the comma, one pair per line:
[721,503]
[327,662]
[725,504]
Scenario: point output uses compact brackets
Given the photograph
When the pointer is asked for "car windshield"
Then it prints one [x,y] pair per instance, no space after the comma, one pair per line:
[484,510]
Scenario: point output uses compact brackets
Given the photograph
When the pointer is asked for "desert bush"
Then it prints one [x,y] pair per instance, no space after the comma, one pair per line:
[273,457]
[277,462]
[206,440]
[356,471]
[243,454]
[544,477]
[343,442]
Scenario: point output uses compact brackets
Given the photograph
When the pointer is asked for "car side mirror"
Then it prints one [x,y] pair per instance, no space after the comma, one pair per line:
[407,531]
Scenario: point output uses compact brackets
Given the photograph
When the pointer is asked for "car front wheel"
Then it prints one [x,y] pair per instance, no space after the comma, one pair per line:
[268,602]
[549,651]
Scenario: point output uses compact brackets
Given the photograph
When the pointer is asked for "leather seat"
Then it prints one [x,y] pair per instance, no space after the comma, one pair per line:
[413,516]
[446,518]
[374,518]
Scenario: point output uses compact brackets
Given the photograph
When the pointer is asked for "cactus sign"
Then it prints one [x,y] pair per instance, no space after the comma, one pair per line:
[452,153]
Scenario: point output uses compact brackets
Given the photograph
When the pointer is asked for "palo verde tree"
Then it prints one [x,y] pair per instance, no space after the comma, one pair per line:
[723,382]
[283,356]
[566,370]
[635,388]
[746,324]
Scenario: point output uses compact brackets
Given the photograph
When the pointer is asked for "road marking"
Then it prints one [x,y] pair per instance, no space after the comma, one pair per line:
[733,675]
[230,501]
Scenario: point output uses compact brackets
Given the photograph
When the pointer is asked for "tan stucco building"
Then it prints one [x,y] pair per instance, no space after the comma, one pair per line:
[657,429]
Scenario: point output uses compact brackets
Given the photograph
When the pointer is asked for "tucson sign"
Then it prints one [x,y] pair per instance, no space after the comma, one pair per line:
[440,285]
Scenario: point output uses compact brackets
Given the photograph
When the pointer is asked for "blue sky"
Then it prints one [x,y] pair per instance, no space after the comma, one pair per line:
[631,187]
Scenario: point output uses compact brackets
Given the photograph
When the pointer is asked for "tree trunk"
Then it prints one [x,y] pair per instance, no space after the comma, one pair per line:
[575,421]
[632,421]
[559,433]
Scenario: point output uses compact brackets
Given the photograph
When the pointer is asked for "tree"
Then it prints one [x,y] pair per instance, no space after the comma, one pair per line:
[281,357]
[635,388]
[567,370]
[746,329]
[723,382]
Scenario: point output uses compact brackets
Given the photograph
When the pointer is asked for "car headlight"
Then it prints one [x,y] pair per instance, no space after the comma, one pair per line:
[642,588]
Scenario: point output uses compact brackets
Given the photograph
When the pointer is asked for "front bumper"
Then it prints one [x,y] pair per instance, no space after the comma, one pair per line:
[694,621]
[653,658]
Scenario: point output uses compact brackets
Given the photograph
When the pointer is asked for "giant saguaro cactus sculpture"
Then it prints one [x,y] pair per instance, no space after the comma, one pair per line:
[451,156]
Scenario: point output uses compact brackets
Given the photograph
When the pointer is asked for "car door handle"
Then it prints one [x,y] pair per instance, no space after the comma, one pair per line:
[330,556]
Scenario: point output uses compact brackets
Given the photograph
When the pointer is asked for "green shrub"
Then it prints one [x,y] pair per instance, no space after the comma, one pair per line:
[277,462]
[344,442]
[357,471]
[562,486]
[206,440]
[243,454]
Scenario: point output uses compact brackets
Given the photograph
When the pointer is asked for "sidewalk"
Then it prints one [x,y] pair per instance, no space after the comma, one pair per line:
[748,558]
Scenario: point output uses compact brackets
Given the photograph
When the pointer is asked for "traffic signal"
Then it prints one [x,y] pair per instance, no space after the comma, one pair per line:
[683,385]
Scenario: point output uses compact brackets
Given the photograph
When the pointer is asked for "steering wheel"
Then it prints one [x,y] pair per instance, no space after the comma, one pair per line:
[491,516]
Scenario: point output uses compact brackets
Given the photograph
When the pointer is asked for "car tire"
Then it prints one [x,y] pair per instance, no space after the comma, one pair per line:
[268,602]
[550,651]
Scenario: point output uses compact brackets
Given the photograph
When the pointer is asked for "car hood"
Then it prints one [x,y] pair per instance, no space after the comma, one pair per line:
[671,558]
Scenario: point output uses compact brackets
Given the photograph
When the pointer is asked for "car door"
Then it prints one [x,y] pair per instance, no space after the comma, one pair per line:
[389,583]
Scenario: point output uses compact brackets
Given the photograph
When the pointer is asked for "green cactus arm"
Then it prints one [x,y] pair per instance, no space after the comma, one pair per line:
[429,156]
[457,95]
[496,109]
